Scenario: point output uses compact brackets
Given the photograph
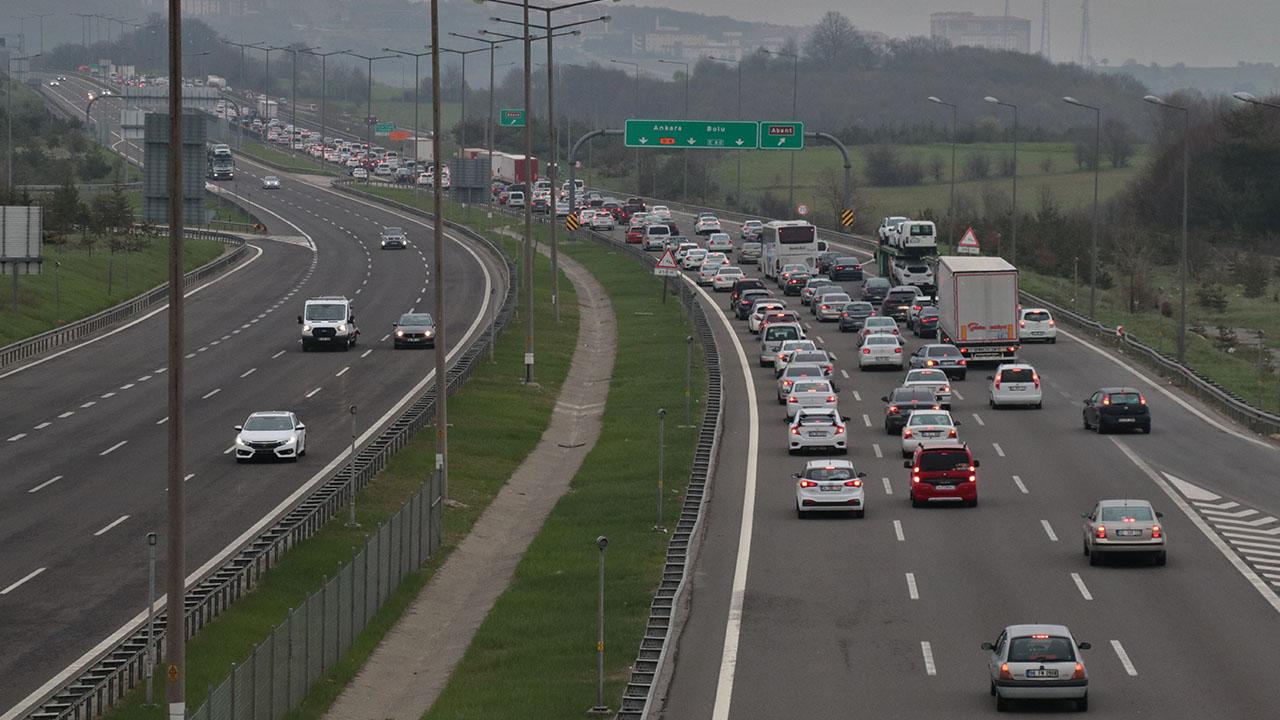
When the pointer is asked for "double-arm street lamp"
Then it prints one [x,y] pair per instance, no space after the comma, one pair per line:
[795,84]
[1182,261]
[1013,235]
[293,92]
[463,110]
[417,56]
[737,64]
[1097,158]
[324,79]
[951,207]
[493,48]
[368,115]
[266,90]
[685,65]
[1254,100]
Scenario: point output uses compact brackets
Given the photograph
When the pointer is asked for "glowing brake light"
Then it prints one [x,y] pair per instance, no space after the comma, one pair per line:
[792,399]
[1128,519]
[930,363]
[907,434]
[853,483]
[997,382]
[1054,324]
[893,408]
[898,350]
[1142,399]
[1106,400]
[1022,323]
[1004,672]
[831,398]
[1155,532]
[808,484]
[1079,673]
[795,431]
[1035,378]
[1100,532]
[951,433]
[1040,636]
[866,351]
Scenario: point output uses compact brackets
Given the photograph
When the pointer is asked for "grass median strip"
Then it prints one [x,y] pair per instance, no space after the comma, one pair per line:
[495,421]
[534,655]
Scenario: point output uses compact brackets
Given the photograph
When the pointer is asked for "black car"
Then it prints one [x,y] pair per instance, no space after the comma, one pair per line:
[902,401]
[875,290]
[1116,408]
[941,356]
[854,315]
[926,324]
[414,330]
[742,308]
[825,261]
[744,284]
[795,283]
[897,304]
[845,268]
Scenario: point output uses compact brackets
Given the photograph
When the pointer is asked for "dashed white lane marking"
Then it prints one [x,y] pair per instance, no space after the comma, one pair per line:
[45,484]
[1048,530]
[144,378]
[20,583]
[819,339]
[341,372]
[17,437]
[1124,658]
[42,426]
[66,414]
[857,396]
[1084,591]
[126,386]
[273,357]
[888,487]
[211,393]
[912,590]
[845,374]
[927,650]
[248,372]
[106,396]
[202,348]
[159,370]
[313,392]
[866,419]
[163,420]
[89,404]
[365,354]
[188,476]
[1018,481]
[384,337]
[878,451]
[897,531]
[189,355]
[110,525]
[999,450]
[978,419]
[956,393]
[114,448]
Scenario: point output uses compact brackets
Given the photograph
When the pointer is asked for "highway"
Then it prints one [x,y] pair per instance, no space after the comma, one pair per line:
[883,616]
[85,444]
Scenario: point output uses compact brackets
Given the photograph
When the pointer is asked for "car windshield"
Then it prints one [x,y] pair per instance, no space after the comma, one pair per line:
[1126,513]
[729,271]
[915,394]
[1035,315]
[921,376]
[835,298]
[929,314]
[785,332]
[803,370]
[809,357]
[877,283]
[817,419]
[415,319]
[391,231]
[944,352]
[1017,375]
[881,340]
[846,261]
[828,473]
[798,345]
[268,422]
[1040,649]
[942,460]
[929,419]
[876,322]
[1125,398]
[813,387]
[858,308]
[922,229]
[326,311]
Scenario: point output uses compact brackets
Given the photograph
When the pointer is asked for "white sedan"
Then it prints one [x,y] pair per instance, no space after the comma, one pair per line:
[1037,324]
[817,429]
[720,242]
[762,309]
[682,250]
[788,350]
[934,379]
[271,435]
[809,394]
[725,277]
[927,426]
[830,486]
[707,272]
[271,182]
[662,211]
[706,225]
[881,349]
[693,259]
[877,324]
[602,221]
[1014,384]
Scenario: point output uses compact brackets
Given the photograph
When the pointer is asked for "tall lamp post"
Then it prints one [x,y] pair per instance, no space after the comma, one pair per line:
[463,109]
[1182,261]
[293,84]
[795,84]
[1013,239]
[324,81]
[737,64]
[1097,166]
[41,16]
[951,206]
[1254,100]
[266,90]
[416,82]
[493,48]
[685,65]
[368,114]
[635,102]
[9,114]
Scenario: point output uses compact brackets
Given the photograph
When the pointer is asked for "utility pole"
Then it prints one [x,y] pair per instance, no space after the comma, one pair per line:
[369,103]
[1182,260]
[437,187]
[293,92]
[493,46]
[324,80]
[416,82]
[951,207]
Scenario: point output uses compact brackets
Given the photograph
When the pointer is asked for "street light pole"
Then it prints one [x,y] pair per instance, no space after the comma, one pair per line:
[324,80]
[493,47]
[951,207]
[1182,262]
[1097,165]
[417,161]
[635,102]
[293,92]
[685,65]
[368,132]
[266,91]
[1254,100]
[1013,240]
[738,65]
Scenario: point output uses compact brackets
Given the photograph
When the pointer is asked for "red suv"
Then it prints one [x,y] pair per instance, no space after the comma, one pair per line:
[943,472]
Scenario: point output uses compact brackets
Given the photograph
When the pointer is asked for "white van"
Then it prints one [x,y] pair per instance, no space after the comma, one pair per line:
[655,236]
[774,335]
[915,234]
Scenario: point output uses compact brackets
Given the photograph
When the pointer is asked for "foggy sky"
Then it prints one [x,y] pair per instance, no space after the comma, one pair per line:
[1195,32]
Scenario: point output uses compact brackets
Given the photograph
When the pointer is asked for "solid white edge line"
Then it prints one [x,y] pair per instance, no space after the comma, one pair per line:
[1079,581]
[1249,575]
[23,706]
[1124,658]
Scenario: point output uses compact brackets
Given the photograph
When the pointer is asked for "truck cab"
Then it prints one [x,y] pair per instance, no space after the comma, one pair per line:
[328,322]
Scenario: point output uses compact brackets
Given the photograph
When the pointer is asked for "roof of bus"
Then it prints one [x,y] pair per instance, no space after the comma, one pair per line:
[788,223]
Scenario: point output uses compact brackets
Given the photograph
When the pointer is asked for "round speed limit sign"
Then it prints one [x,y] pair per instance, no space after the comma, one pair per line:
[803,209]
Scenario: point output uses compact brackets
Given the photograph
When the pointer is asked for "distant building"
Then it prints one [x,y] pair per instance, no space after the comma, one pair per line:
[668,41]
[991,32]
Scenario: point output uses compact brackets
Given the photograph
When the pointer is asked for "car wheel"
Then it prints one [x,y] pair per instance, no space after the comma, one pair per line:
[792,451]
[1100,428]
[889,431]
[1082,704]
[1039,405]
[1095,559]
[764,364]
[991,402]
[241,461]
[1084,545]
[1002,704]
[860,513]
[781,401]
[1146,429]
[962,376]
[972,503]
[1085,419]
[915,503]
[801,514]
[1053,340]
[906,454]
[1161,558]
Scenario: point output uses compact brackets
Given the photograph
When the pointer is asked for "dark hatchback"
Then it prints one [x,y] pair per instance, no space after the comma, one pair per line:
[902,401]
[854,315]
[875,289]
[825,261]
[743,284]
[845,268]
[926,324]
[1117,408]
[747,300]
[795,283]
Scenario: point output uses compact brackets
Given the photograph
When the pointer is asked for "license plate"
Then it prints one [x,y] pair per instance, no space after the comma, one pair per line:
[1042,673]
[1037,332]
[324,339]
[932,433]
[415,339]
[1017,388]
[831,488]
[944,487]
[817,434]
[1129,533]
[1126,420]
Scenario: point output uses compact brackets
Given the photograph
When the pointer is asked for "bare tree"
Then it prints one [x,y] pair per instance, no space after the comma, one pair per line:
[1117,142]
[936,167]
[835,42]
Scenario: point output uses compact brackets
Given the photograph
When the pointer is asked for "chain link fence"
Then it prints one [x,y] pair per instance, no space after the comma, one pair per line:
[274,679]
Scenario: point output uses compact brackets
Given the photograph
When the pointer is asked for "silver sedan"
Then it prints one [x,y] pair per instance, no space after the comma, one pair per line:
[1123,527]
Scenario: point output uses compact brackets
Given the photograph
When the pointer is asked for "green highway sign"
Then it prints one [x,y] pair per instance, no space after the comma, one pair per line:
[781,136]
[383,128]
[511,117]
[695,134]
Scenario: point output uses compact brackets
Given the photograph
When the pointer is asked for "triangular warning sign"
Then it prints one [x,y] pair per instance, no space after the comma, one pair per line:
[969,239]
[668,261]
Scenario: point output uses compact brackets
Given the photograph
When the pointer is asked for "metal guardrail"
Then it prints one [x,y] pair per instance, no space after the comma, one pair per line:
[122,667]
[656,644]
[81,329]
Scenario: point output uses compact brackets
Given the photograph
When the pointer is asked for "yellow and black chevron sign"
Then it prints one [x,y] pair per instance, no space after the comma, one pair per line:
[571,221]
[846,217]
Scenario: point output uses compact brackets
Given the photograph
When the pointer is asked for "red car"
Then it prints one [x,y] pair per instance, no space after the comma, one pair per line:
[635,234]
[943,472]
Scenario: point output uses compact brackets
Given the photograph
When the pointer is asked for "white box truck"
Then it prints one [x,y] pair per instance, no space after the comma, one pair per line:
[978,307]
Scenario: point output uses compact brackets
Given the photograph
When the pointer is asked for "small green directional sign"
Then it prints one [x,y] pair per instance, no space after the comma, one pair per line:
[511,117]
[692,134]
[781,136]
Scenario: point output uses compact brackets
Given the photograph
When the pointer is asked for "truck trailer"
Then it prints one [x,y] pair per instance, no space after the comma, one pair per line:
[978,307]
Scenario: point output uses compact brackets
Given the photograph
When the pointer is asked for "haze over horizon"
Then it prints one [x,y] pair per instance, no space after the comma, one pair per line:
[1165,32]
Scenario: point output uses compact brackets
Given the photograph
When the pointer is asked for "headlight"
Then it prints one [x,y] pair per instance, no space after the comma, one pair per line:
[241,444]
[430,333]
[342,327]
[306,328]
[293,440]
[399,333]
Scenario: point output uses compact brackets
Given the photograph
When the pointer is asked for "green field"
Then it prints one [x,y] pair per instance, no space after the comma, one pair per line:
[77,281]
